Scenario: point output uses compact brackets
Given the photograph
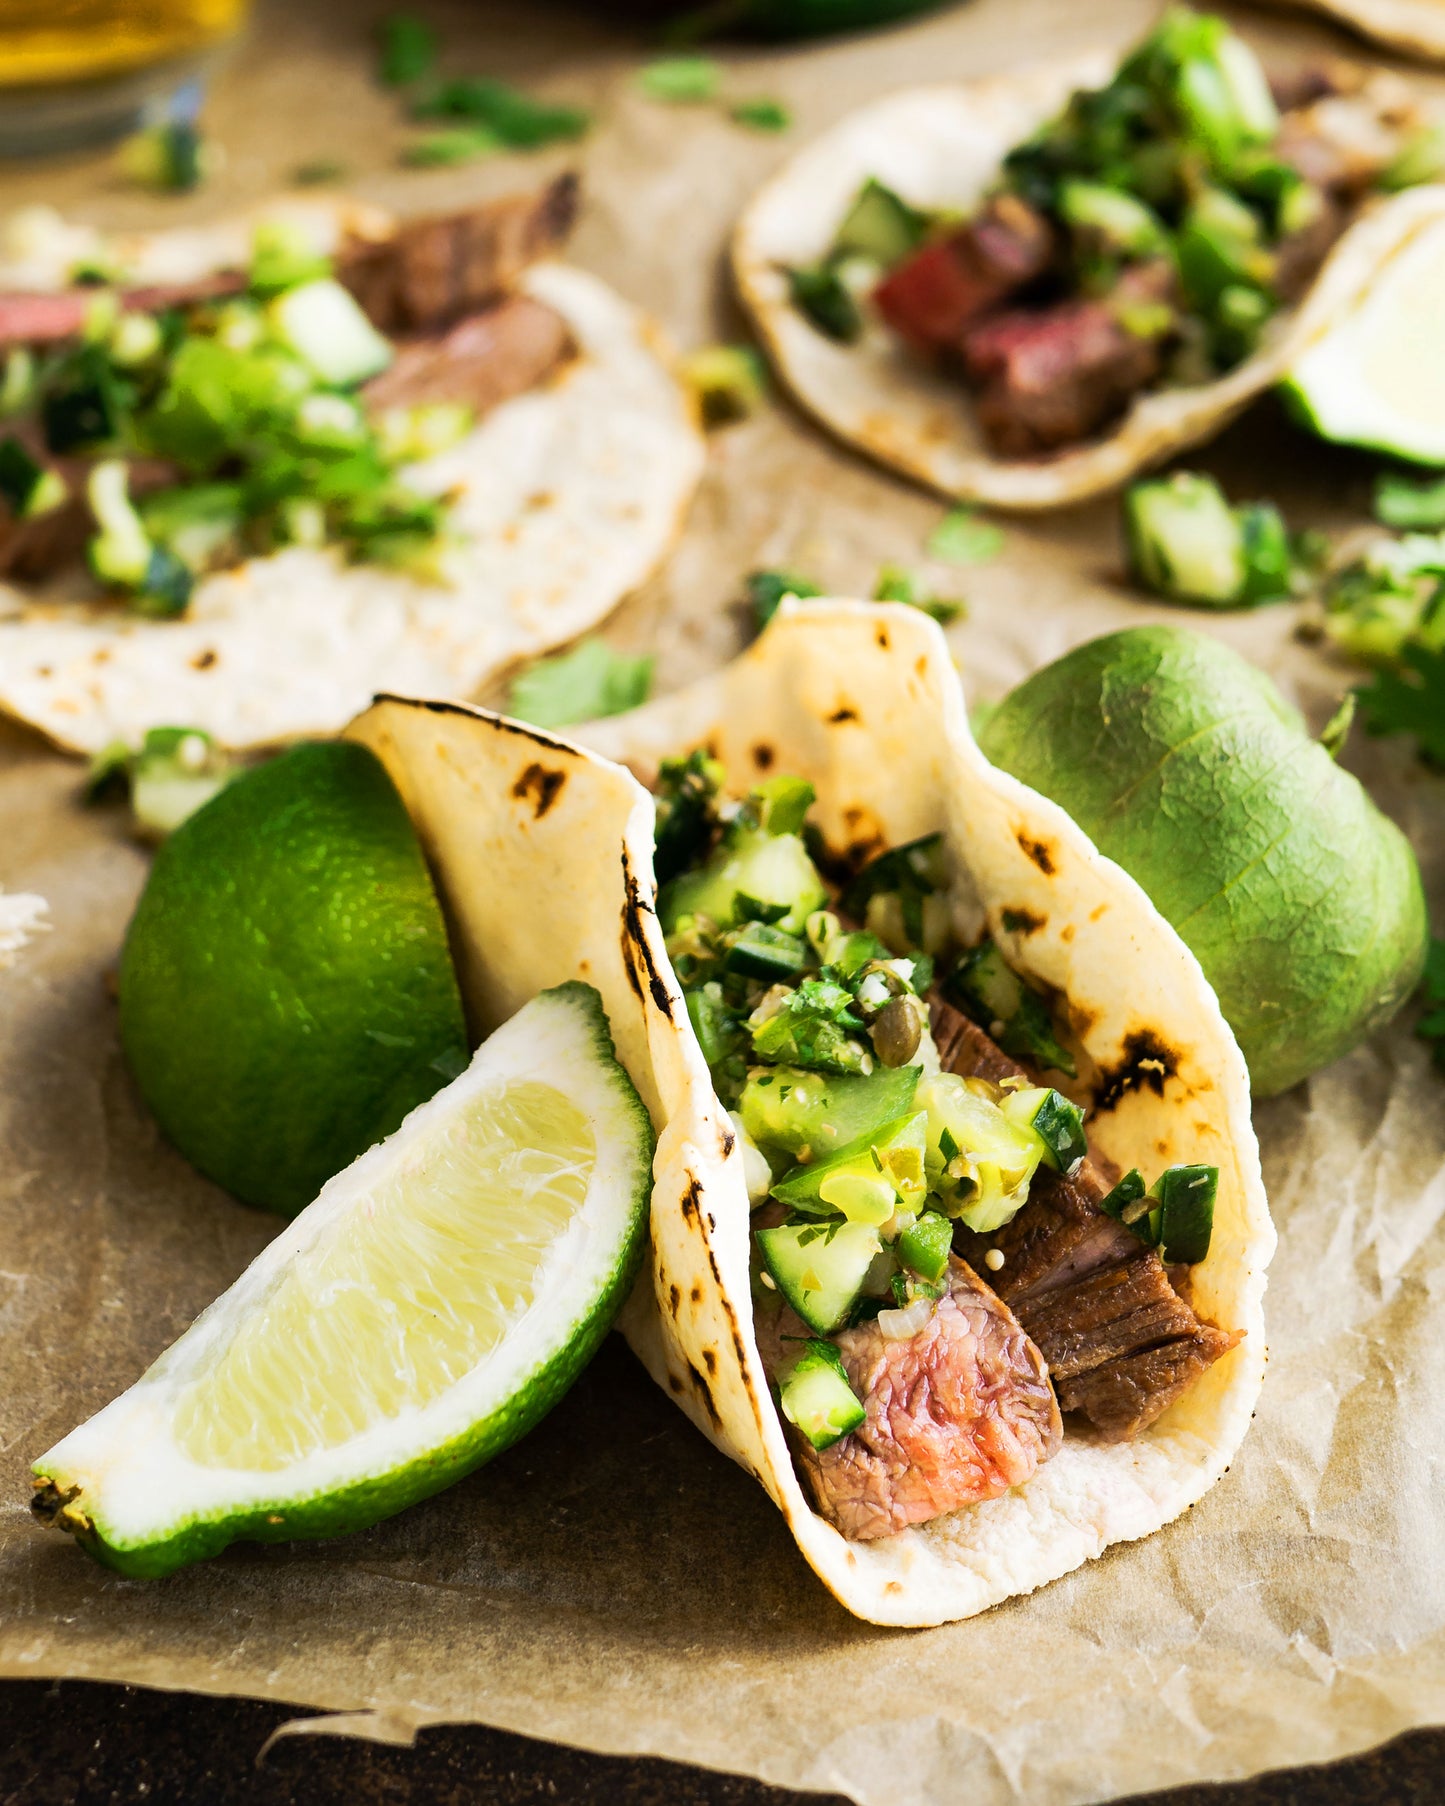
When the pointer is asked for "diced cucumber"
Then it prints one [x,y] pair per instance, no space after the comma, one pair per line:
[767,953]
[824,299]
[1058,1124]
[1268,556]
[988,989]
[820,1267]
[324,325]
[1186,1197]
[196,521]
[813,1114]
[925,1247]
[1218,245]
[979,1162]
[868,1178]
[816,1396]
[26,486]
[880,225]
[121,552]
[1184,539]
[1123,223]
[770,868]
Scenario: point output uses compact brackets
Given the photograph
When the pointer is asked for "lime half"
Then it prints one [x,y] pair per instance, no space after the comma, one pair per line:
[433,1303]
[1377,378]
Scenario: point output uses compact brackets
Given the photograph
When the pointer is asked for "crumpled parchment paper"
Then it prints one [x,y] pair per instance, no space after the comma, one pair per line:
[612,1581]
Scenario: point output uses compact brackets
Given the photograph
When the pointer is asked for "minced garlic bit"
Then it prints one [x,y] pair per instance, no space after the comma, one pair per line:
[993,1260]
[769,1281]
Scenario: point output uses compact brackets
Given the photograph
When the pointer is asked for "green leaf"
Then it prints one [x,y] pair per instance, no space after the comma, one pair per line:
[407,50]
[519,121]
[440,150]
[682,80]
[765,591]
[589,681]
[762,115]
[961,537]
[1409,503]
[898,585]
[1411,701]
[730,382]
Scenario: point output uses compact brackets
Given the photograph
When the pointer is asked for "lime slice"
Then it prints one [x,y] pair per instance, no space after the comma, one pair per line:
[1377,378]
[430,1307]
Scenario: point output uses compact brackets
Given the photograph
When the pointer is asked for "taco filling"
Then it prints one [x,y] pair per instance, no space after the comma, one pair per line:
[1143,238]
[945,1282]
[164,431]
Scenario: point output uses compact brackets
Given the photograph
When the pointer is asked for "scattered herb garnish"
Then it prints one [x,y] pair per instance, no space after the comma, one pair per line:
[589,681]
[729,381]
[171,158]
[765,591]
[762,115]
[1188,544]
[519,121]
[962,537]
[1431,1026]
[1412,504]
[1410,701]
[440,150]
[407,50]
[173,773]
[318,172]
[898,585]
[682,80]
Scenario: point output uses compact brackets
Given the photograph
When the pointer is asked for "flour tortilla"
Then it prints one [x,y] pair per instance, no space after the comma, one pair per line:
[1415,27]
[864,701]
[942,147]
[571,496]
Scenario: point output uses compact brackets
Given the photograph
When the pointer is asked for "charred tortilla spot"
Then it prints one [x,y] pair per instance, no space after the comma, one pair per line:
[727,1140]
[1097,915]
[541,785]
[674,1383]
[1066,933]
[1038,851]
[763,756]
[700,1381]
[636,945]
[844,713]
[692,1198]
[1148,1061]
[1023,921]
[205,659]
[882,638]
[709,1360]
[674,1298]
[920,666]
[696,1294]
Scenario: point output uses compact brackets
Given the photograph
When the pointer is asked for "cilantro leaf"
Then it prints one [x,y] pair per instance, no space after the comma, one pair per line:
[681,79]
[762,115]
[765,591]
[580,685]
[1410,701]
[897,585]
[961,537]
[408,48]
[518,120]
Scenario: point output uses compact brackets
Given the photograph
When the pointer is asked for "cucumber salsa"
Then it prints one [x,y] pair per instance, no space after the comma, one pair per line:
[870,1163]
[1144,237]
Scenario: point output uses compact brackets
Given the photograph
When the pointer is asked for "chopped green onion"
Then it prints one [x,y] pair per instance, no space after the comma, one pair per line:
[170,158]
[440,150]
[783,803]
[681,80]
[519,121]
[584,684]
[729,382]
[898,585]
[407,50]
[762,115]
[962,537]
[283,257]
[766,590]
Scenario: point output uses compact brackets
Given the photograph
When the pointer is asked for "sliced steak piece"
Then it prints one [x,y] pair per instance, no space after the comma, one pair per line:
[960,1412]
[933,295]
[49,319]
[432,272]
[1053,376]
[1120,1341]
[484,360]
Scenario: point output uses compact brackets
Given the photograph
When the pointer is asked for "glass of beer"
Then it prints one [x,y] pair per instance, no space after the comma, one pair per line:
[75,72]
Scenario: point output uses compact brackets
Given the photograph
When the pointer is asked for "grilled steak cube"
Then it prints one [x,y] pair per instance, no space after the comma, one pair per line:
[484,360]
[933,295]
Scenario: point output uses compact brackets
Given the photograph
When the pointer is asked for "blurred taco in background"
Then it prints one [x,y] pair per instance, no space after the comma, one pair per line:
[959,1234]
[1414,27]
[253,472]
[1024,289]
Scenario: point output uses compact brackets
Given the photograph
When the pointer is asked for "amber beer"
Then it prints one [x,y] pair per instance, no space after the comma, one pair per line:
[61,41]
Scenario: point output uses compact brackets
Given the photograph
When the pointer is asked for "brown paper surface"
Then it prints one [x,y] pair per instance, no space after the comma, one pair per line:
[612,1581]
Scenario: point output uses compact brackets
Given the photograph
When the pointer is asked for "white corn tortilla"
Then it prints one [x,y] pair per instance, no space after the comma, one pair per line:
[942,147]
[572,494]
[864,701]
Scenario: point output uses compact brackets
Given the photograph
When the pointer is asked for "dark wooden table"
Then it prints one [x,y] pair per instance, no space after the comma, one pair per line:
[74,1743]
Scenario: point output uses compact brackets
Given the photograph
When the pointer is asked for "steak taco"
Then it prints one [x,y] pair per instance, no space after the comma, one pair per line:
[249,474]
[1024,289]
[959,1235]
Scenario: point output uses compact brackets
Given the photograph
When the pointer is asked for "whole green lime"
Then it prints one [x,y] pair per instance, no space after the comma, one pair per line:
[286,990]
[1183,763]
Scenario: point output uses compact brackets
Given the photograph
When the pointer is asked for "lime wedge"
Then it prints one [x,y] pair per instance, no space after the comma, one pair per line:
[1377,378]
[433,1303]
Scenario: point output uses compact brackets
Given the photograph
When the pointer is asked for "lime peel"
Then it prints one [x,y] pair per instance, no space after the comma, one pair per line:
[176,1468]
